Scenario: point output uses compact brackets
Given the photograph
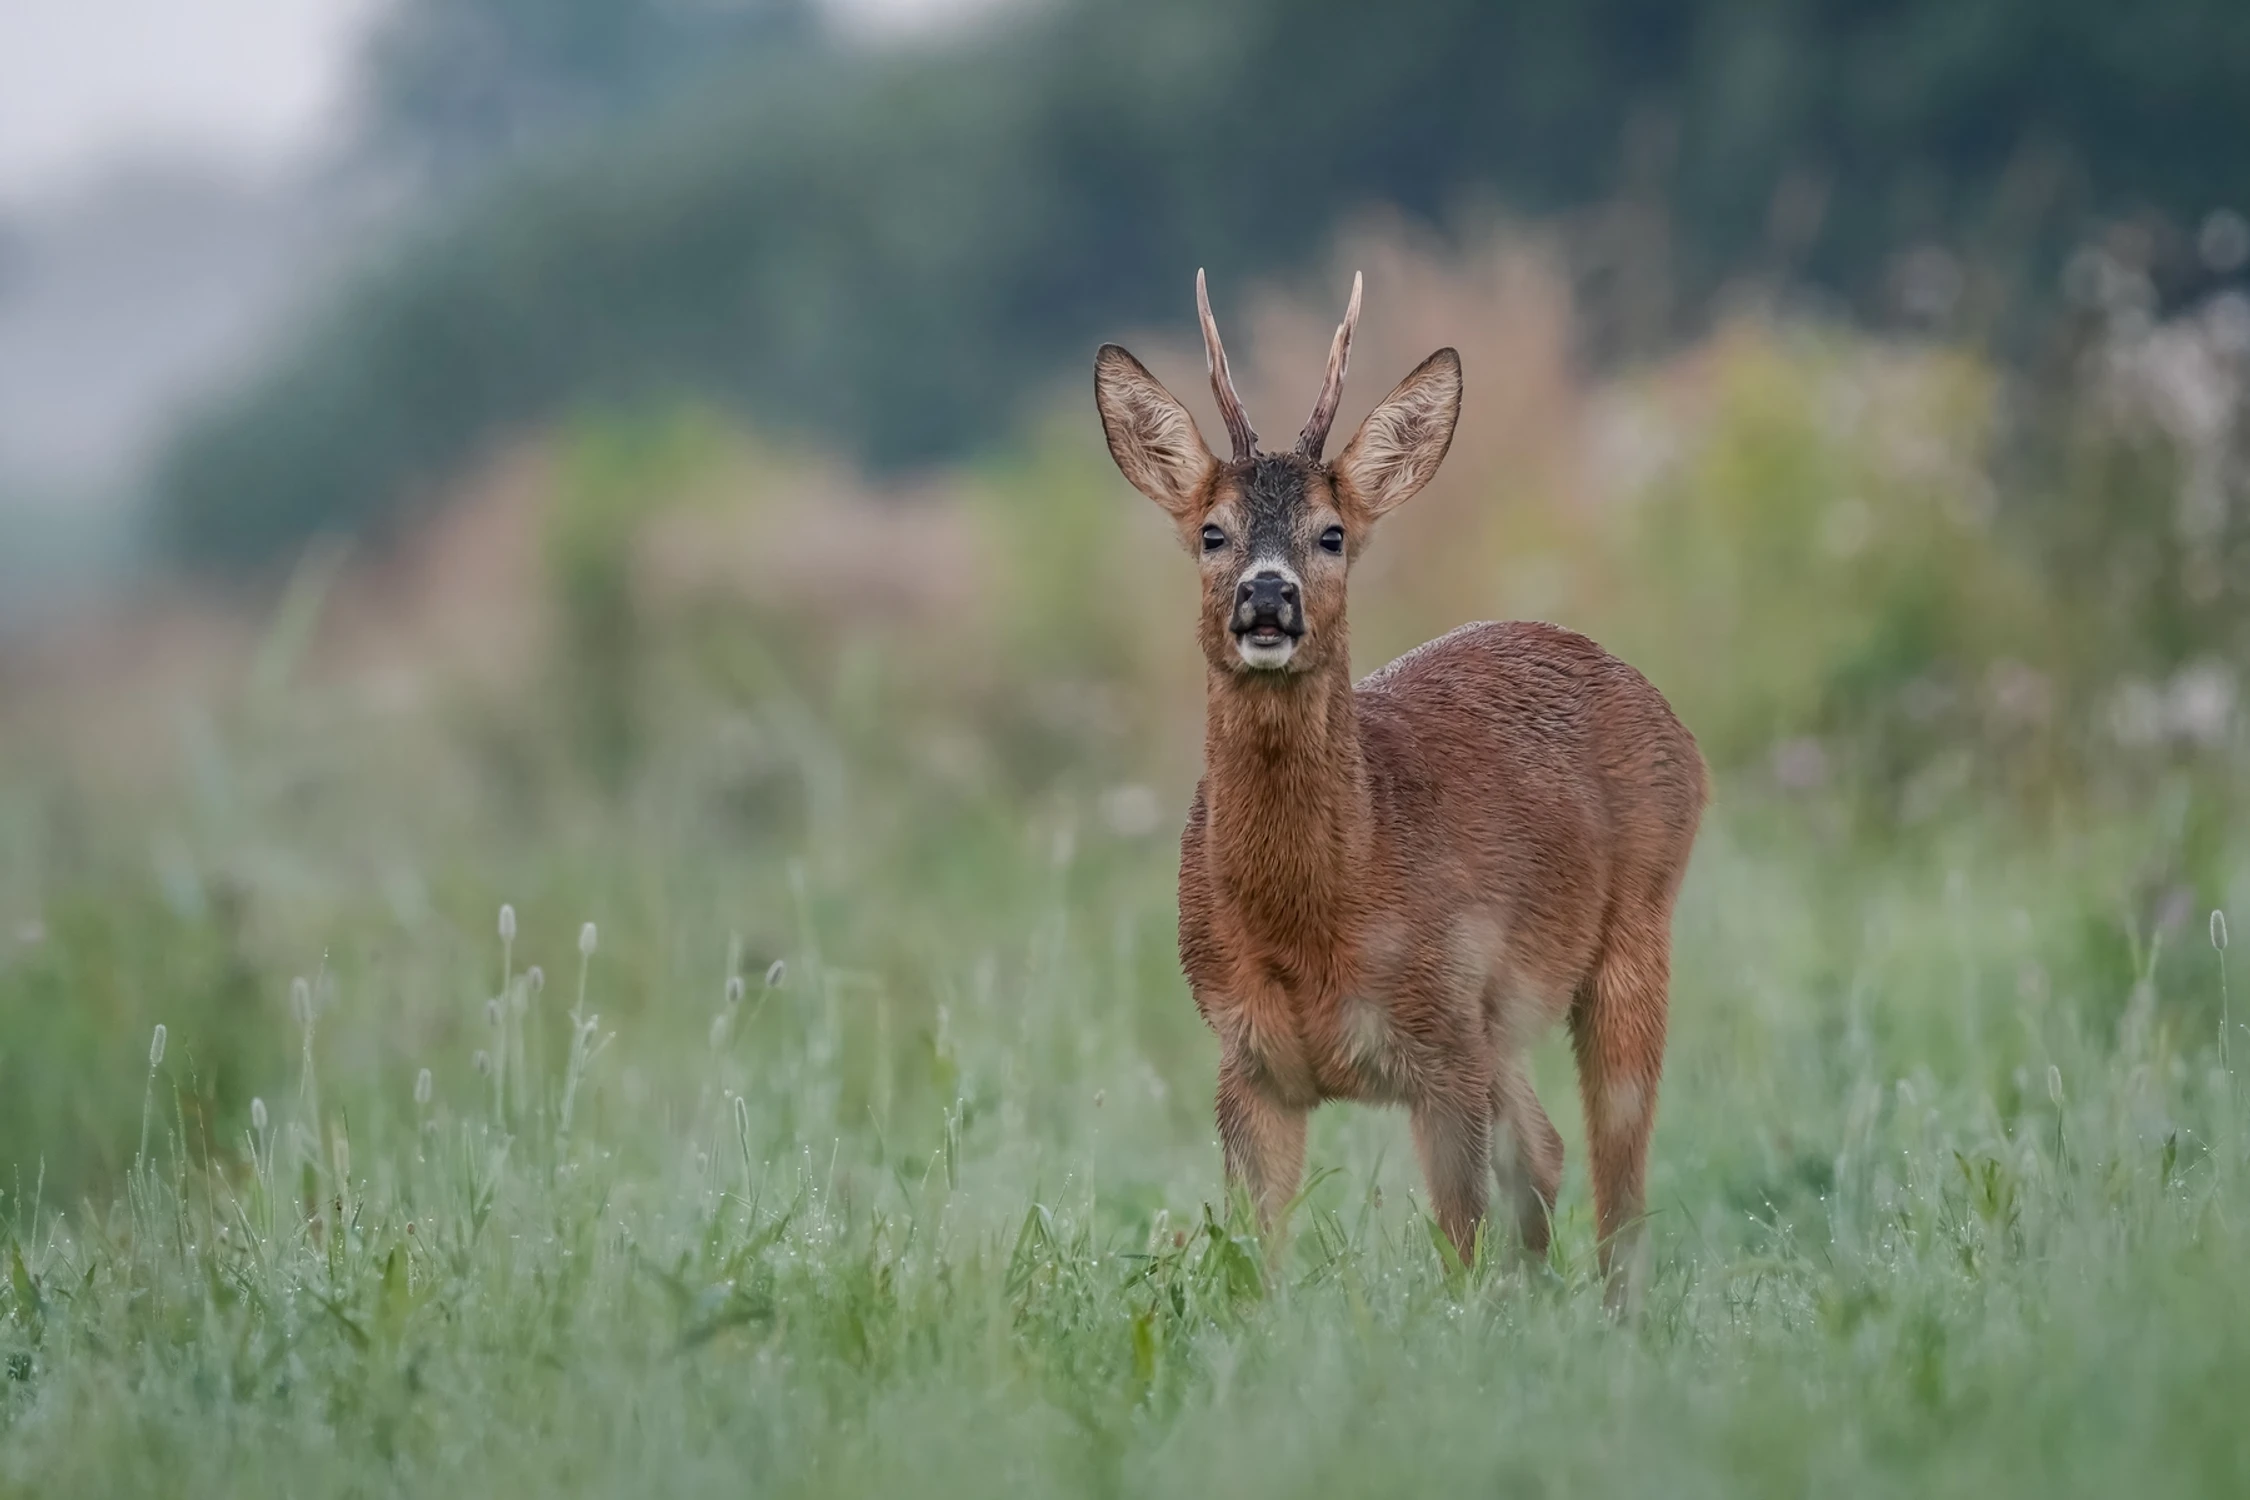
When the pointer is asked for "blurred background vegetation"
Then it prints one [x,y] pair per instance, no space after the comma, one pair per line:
[684,477]
[892,253]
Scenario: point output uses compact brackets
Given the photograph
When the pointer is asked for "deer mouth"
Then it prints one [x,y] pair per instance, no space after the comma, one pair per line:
[1266,644]
[1270,626]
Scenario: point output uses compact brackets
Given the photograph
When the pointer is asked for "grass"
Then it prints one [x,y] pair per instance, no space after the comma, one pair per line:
[1937,1209]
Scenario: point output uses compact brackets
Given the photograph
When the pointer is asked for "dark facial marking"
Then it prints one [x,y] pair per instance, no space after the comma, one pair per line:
[1273,497]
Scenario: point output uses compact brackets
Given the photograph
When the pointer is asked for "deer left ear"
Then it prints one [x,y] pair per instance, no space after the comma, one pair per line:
[1402,442]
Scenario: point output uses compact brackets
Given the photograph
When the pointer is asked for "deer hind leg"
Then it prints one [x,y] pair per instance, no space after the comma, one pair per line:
[1453,1137]
[1617,1032]
[1527,1157]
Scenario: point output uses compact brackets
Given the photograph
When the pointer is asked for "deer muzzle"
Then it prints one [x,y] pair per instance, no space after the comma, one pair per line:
[1269,618]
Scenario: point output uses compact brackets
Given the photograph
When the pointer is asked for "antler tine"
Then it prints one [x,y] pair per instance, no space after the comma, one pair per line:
[1315,435]
[1222,382]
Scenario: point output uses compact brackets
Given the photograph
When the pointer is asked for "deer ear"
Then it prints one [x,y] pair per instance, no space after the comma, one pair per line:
[1403,441]
[1151,435]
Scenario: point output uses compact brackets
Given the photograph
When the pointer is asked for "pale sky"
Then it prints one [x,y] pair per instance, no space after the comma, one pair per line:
[253,83]
[250,84]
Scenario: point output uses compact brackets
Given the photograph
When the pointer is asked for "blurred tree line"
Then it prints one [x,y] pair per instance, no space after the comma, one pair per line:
[889,249]
[455,85]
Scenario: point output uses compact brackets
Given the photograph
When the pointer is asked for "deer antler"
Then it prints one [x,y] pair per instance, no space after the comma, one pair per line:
[1315,435]
[1222,382]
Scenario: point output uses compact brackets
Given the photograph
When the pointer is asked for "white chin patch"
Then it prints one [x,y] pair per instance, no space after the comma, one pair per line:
[1265,658]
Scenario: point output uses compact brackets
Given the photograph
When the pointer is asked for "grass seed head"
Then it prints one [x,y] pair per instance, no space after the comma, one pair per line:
[482,1062]
[2054,1085]
[422,1087]
[777,973]
[587,938]
[734,990]
[156,1045]
[535,979]
[258,1115]
[492,1011]
[2219,929]
[507,923]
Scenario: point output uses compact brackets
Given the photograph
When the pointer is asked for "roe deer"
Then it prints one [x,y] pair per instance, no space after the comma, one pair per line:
[1385,890]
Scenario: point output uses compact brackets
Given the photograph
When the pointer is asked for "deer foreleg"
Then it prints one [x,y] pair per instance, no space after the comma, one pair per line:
[1264,1141]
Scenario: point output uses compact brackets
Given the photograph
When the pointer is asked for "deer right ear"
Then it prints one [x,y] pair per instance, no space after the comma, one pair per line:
[1151,435]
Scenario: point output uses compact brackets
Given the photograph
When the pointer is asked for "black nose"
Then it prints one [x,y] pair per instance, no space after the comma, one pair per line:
[1267,601]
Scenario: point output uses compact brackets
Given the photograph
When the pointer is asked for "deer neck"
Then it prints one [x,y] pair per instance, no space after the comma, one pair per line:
[1288,815]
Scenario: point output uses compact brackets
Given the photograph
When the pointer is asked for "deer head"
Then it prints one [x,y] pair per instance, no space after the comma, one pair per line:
[1275,534]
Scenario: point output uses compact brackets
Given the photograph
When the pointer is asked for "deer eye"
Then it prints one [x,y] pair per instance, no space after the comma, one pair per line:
[1213,539]
[1332,540]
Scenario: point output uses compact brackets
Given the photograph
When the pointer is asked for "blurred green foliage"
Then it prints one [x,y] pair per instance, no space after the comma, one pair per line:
[616,472]
[79,996]
[888,249]
[458,85]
